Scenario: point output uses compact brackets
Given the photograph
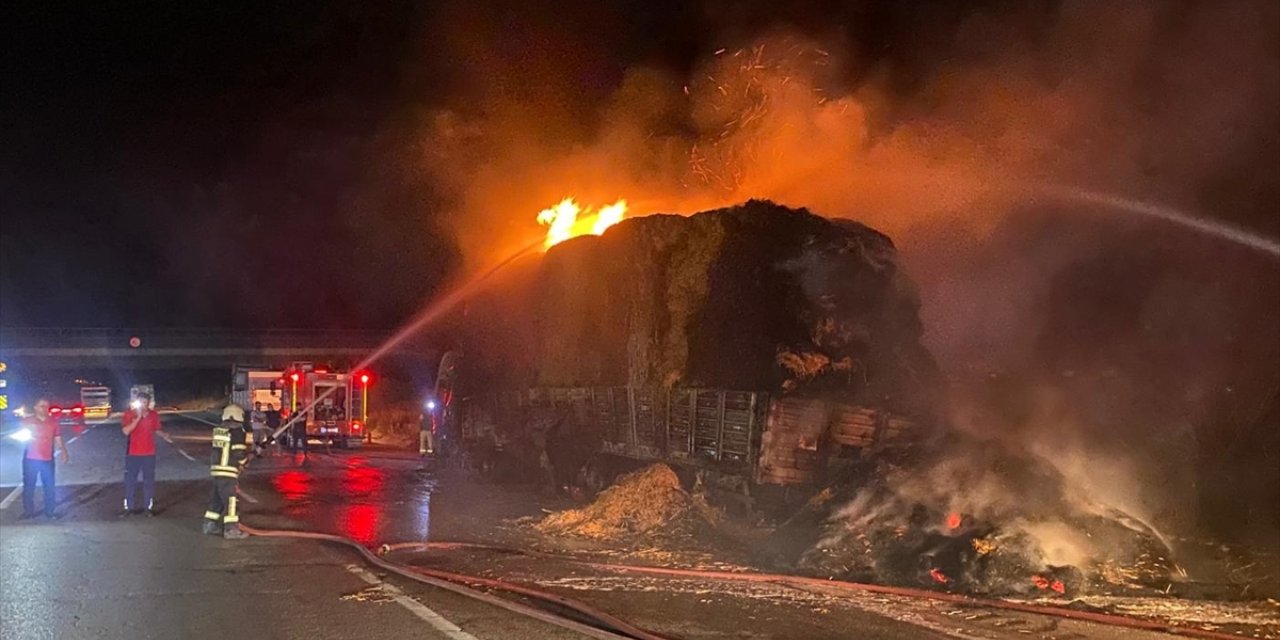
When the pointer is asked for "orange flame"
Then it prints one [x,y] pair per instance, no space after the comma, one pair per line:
[566,220]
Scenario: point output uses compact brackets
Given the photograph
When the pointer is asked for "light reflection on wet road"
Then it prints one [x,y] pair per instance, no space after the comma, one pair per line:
[370,501]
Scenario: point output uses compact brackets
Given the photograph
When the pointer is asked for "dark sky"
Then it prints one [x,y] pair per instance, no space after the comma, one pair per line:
[242,164]
[206,164]
[233,164]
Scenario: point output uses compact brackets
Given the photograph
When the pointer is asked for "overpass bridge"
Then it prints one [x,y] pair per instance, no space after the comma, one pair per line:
[98,348]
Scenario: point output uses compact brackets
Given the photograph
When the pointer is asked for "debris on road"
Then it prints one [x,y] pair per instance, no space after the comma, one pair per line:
[649,501]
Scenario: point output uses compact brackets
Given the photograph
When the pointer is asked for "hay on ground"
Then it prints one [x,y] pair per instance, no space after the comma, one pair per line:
[648,501]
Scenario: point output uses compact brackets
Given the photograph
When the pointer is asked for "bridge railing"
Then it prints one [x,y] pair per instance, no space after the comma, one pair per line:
[36,337]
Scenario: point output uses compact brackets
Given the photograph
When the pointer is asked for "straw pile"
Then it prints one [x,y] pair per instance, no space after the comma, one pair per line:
[649,501]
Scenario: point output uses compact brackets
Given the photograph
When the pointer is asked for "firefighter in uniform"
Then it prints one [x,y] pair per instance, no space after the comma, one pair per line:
[230,454]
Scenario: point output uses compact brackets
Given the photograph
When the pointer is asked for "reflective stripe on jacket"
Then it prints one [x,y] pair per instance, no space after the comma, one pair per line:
[230,445]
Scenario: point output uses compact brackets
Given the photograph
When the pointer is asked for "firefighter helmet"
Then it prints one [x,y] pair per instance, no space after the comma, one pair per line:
[234,413]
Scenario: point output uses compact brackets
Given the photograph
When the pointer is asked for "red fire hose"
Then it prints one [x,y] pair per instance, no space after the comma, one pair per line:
[1109,619]
[610,627]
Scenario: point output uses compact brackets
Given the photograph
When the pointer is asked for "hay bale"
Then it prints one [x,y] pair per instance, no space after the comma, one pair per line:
[647,501]
[756,296]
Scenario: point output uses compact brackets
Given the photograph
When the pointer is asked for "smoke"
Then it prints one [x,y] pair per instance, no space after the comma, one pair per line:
[1111,342]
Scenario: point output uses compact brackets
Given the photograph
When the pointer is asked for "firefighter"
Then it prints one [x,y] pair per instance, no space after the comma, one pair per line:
[427,429]
[230,454]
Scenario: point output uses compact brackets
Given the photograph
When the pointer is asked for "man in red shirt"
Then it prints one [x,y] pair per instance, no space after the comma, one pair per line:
[37,459]
[141,424]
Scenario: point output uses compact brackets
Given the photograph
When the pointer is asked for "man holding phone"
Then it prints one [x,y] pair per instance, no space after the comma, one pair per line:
[141,425]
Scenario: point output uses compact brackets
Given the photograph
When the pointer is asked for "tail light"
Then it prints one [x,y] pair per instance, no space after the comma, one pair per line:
[355,426]
[55,410]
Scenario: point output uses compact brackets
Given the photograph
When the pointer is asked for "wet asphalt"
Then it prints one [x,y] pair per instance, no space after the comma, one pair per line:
[95,574]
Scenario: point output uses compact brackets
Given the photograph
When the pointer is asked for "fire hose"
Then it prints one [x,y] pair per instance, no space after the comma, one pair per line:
[606,627]
[807,583]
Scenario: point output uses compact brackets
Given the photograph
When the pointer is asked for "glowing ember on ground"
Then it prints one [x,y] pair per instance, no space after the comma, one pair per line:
[1044,584]
[568,219]
[953,520]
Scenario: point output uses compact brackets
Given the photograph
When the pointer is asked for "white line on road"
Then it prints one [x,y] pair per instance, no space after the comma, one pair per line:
[184,453]
[8,500]
[436,620]
[244,494]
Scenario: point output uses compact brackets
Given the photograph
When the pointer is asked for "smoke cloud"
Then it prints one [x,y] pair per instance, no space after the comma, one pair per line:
[1106,340]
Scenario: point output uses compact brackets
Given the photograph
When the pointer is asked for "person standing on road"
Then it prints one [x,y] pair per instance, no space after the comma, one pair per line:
[230,455]
[274,420]
[258,423]
[427,430]
[298,432]
[37,459]
[141,425]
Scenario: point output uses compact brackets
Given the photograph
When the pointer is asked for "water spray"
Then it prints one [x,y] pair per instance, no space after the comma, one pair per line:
[431,313]
[1168,214]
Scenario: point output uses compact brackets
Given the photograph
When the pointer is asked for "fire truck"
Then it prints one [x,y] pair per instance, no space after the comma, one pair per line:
[340,398]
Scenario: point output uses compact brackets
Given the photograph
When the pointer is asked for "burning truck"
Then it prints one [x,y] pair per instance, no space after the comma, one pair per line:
[771,356]
[754,347]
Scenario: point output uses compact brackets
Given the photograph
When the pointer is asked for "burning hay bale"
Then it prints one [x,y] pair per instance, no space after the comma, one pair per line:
[756,296]
[988,522]
[649,501]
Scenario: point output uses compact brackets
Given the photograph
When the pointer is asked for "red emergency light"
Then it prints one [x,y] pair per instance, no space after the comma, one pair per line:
[293,377]
[365,378]
[356,426]
[55,410]
[77,410]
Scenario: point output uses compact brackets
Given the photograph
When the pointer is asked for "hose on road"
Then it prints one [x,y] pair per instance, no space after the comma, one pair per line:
[1109,619]
[606,627]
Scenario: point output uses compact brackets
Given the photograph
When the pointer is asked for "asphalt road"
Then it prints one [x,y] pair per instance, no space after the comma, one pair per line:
[95,574]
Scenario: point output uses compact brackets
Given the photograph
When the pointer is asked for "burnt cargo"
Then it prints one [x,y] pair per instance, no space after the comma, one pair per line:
[757,296]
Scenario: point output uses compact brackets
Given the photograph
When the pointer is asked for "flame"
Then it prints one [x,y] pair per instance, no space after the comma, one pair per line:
[567,220]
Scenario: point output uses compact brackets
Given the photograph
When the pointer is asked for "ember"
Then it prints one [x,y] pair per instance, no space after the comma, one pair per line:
[953,520]
[1045,584]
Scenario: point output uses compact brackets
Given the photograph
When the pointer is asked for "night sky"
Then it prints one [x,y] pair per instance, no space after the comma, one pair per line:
[244,164]
[235,164]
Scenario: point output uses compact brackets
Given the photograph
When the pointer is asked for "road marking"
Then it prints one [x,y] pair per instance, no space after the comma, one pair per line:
[184,453]
[8,500]
[432,618]
[243,494]
[87,430]
[198,419]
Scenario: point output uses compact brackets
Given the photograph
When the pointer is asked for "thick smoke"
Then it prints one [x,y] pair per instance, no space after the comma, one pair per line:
[1137,355]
